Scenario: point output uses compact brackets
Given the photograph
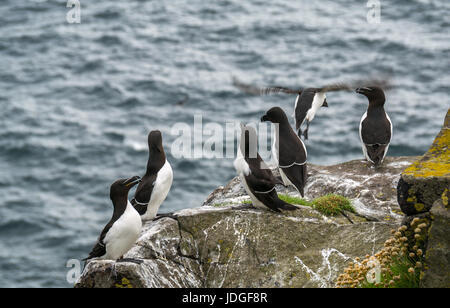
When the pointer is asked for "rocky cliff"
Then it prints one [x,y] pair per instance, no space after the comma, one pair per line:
[227,243]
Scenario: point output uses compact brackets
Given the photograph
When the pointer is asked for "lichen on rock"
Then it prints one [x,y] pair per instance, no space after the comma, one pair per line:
[423,182]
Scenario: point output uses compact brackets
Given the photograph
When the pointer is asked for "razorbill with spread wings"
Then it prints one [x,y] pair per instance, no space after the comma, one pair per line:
[256,177]
[375,128]
[308,102]
[288,150]
[157,181]
[123,230]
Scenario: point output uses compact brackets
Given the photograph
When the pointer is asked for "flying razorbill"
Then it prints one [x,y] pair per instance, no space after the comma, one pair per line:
[123,230]
[307,103]
[375,128]
[157,181]
[288,150]
[256,177]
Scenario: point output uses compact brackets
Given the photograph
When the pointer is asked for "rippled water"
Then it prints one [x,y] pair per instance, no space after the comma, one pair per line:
[77,100]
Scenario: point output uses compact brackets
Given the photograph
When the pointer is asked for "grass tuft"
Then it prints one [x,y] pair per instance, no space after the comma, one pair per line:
[294,200]
[332,205]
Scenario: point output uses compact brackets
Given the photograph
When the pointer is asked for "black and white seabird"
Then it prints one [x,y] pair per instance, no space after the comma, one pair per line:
[123,230]
[256,177]
[288,150]
[375,128]
[307,103]
[157,181]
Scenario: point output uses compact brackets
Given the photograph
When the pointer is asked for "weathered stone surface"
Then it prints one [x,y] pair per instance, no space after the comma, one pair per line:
[230,244]
[425,180]
[372,190]
[164,266]
[240,247]
[437,258]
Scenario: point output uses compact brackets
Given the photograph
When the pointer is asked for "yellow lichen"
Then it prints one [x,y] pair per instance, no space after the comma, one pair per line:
[124,284]
[445,198]
[436,162]
[419,207]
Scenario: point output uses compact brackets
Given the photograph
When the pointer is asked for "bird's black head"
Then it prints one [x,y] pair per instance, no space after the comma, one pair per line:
[120,188]
[155,141]
[275,115]
[374,94]
[249,142]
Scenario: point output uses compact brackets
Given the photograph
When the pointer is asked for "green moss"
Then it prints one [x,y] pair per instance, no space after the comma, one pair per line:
[329,205]
[294,200]
[332,205]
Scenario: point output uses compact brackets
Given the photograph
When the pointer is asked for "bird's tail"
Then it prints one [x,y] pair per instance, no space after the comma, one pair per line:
[287,206]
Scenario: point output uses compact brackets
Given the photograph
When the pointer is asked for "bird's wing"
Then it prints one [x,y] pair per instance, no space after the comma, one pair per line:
[335,87]
[297,174]
[302,105]
[246,88]
[99,249]
[260,178]
[144,193]
[292,151]
[276,90]
[384,83]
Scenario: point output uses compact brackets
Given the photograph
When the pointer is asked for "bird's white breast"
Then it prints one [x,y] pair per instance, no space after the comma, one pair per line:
[123,234]
[295,106]
[363,145]
[255,201]
[161,188]
[318,100]
[276,145]
[240,164]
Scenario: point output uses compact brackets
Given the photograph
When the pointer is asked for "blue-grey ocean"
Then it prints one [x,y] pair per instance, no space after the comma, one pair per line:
[78,100]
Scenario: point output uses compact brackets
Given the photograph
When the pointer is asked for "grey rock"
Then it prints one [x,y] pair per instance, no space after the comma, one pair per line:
[372,190]
[422,183]
[229,244]
[437,258]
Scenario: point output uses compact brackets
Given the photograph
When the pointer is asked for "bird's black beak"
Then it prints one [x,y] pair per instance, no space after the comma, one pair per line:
[264,118]
[132,181]
[325,103]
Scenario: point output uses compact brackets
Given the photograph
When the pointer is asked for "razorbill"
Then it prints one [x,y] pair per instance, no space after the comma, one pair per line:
[123,230]
[157,181]
[256,177]
[375,128]
[308,102]
[288,150]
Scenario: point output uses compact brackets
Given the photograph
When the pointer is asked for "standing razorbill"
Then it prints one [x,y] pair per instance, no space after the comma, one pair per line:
[156,182]
[375,128]
[288,150]
[123,230]
[256,177]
